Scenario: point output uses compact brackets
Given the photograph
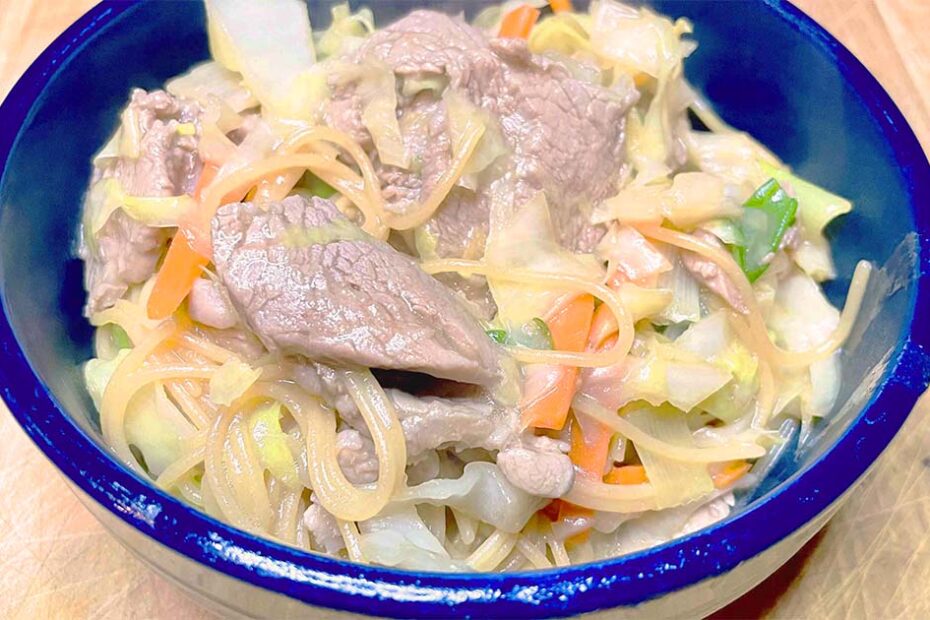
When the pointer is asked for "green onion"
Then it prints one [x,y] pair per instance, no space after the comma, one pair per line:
[498,335]
[768,214]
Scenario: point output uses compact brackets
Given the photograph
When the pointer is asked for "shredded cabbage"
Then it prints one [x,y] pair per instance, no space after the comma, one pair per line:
[686,294]
[97,373]
[526,240]
[629,253]
[563,33]
[675,482]
[482,492]
[638,40]
[347,30]
[209,84]
[712,340]
[156,428]
[398,537]
[801,318]
[232,380]
[689,199]
[376,87]
[107,195]
[461,112]
[274,445]
[733,156]
[271,45]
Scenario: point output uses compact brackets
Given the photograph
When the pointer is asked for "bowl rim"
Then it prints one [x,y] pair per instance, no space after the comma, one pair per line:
[342,585]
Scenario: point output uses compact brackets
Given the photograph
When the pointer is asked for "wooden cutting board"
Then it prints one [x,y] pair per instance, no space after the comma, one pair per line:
[873,560]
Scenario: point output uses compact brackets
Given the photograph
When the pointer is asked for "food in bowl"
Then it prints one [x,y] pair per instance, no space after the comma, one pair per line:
[455,296]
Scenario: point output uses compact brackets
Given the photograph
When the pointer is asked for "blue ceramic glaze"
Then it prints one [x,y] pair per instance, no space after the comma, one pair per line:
[766,67]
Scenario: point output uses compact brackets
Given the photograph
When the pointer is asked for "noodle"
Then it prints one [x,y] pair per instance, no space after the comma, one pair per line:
[207,349]
[195,411]
[215,474]
[492,551]
[609,357]
[120,390]
[335,493]
[622,498]
[237,183]
[757,332]
[590,407]
[178,469]
[350,537]
[532,553]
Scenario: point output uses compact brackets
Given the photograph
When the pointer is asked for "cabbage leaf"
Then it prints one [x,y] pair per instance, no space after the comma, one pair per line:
[482,492]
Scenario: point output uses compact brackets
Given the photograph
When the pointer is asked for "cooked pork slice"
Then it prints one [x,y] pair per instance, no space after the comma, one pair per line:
[310,283]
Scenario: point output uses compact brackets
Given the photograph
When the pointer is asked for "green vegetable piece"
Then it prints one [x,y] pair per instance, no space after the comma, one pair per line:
[315,186]
[768,213]
[498,335]
[120,337]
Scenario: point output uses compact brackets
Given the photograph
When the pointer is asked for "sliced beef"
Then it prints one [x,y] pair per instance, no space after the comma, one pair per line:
[537,465]
[208,304]
[323,529]
[566,133]
[356,455]
[310,283]
[125,251]
[709,274]
[461,423]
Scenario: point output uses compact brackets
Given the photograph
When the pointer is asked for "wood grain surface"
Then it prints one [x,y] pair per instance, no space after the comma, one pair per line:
[872,561]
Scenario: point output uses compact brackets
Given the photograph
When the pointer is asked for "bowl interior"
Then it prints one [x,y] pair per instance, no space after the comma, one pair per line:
[760,74]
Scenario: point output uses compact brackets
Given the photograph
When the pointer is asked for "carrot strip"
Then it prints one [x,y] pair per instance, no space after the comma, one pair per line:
[550,389]
[570,323]
[182,265]
[589,446]
[518,23]
[725,474]
[561,6]
[549,404]
[627,474]
[179,271]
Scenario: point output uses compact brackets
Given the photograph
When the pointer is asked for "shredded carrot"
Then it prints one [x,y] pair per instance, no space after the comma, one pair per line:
[725,474]
[627,474]
[561,6]
[570,323]
[518,23]
[589,446]
[547,405]
[548,408]
[181,268]
[182,265]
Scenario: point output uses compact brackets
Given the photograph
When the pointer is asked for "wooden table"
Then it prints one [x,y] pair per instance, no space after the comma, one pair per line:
[873,560]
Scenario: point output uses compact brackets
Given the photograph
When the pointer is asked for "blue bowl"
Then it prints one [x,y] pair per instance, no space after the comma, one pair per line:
[765,66]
